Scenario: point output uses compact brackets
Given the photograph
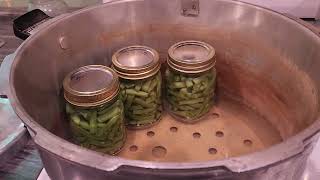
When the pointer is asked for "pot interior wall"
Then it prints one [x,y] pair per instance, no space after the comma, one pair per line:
[265,62]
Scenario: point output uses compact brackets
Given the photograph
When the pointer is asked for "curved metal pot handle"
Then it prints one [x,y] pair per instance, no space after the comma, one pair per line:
[17,137]
[205,173]
[4,83]
[4,75]
[24,25]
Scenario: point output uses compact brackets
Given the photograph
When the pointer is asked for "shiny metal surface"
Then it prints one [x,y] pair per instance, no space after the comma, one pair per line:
[63,42]
[136,62]
[191,57]
[190,8]
[135,58]
[2,43]
[312,171]
[265,60]
[191,52]
[13,134]
[91,85]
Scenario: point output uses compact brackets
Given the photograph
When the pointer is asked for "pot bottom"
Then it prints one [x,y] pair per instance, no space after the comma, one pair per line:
[230,129]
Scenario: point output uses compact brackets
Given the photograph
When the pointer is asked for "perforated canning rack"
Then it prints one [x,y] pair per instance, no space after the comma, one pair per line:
[229,129]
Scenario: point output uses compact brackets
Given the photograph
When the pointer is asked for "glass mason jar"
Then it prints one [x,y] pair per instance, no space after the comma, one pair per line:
[140,85]
[94,110]
[190,80]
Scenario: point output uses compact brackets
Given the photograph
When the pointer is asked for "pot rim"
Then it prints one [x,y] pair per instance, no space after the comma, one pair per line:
[62,148]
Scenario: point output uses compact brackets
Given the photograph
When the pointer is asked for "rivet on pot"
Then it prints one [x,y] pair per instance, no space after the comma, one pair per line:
[63,42]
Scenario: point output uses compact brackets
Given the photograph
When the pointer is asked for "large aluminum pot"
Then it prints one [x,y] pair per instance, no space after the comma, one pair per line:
[265,60]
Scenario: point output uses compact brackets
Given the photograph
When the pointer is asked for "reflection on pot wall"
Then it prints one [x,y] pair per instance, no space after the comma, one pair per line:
[299,8]
[70,3]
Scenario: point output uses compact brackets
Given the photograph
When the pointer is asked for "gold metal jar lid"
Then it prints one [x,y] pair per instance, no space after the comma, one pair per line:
[91,86]
[136,62]
[191,57]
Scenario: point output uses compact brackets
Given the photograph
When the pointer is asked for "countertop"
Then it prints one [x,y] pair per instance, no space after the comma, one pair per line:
[25,165]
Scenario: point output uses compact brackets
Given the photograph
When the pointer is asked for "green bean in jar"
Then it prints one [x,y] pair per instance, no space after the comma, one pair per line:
[140,85]
[190,80]
[94,110]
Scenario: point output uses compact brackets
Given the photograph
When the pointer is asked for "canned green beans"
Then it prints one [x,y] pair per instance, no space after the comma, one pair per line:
[95,112]
[140,85]
[190,80]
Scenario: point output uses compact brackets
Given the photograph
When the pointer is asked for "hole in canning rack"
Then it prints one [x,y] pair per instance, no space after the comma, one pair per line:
[159,151]
[133,148]
[150,133]
[215,115]
[196,135]
[173,129]
[219,134]
[212,151]
[247,142]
